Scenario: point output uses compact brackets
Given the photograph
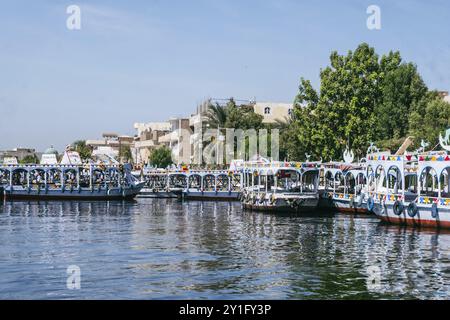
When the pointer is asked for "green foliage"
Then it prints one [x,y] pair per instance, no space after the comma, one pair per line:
[429,122]
[30,159]
[125,153]
[216,116]
[161,157]
[233,116]
[243,117]
[402,88]
[84,150]
[362,98]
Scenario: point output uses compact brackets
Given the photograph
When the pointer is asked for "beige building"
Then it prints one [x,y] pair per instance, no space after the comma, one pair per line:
[19,154]
[110,144]
[273,111]
[179,140]
[148,138]
[444,95]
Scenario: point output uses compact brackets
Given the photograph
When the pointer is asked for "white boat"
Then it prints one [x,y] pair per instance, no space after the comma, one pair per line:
[344,187]
[280,186]
[411,189]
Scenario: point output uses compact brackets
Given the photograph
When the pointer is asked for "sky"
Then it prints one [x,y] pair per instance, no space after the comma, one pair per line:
[146,61]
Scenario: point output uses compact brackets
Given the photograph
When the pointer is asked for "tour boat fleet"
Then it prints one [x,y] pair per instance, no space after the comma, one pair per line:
[410,189]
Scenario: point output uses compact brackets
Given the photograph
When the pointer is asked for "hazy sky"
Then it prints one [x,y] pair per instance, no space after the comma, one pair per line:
[142,61]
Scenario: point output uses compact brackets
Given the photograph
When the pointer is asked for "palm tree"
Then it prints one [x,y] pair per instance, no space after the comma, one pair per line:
[283,124]
[216,116]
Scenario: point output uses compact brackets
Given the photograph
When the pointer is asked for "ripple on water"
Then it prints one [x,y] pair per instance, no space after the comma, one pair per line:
[162,248]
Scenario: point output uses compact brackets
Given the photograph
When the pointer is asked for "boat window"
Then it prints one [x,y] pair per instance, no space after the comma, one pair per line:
[444,183]
[310,181]
[329,181]
[429,183]
[350,183]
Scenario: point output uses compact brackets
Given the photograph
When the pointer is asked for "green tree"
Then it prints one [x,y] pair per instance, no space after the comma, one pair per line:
[402,87]
[84,150]
[29,159]
[161,157]
[243,117]
[216,115]
[125,153]
[362,98]
[430,121]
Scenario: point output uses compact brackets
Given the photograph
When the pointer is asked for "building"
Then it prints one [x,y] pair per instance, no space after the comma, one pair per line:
[50,156]
[110,144]
[273,111]
[19,154]
[179,140]
[444,95]
[147,139]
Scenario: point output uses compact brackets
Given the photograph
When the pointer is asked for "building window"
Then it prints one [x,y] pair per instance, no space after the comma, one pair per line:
[267,110]
[290,111]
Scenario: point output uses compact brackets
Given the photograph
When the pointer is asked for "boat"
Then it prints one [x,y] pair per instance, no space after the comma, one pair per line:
[280,186]
[217,185]
[89,181]
[343,185]
[411,189]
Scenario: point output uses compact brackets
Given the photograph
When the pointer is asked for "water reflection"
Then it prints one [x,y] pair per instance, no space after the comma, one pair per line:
[164,248]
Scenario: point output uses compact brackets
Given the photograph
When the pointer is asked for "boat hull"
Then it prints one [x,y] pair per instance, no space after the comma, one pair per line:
[74,194]
[343,205]
[423,218]
[308,204]
[212,195]
[151,193]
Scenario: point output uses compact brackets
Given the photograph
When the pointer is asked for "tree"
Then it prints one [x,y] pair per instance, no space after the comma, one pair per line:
[84,150]
[125,153]
[29,159]
[402,88]
[431,121]
[216,115]
[243,117]
[362,98]
[161,157]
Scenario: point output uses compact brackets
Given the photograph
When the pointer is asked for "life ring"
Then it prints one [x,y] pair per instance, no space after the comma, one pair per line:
[370,204]
[398,208]
[412,209]
[434,210]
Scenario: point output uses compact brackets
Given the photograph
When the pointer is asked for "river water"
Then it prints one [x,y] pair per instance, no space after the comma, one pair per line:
[166,249]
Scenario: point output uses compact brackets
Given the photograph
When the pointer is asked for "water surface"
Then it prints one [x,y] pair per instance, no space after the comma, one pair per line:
[166,249]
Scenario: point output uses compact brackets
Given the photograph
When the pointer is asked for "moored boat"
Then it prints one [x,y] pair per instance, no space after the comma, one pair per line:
[411,189]
[280,186]
[343,185]
[81,182]
[344,188]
